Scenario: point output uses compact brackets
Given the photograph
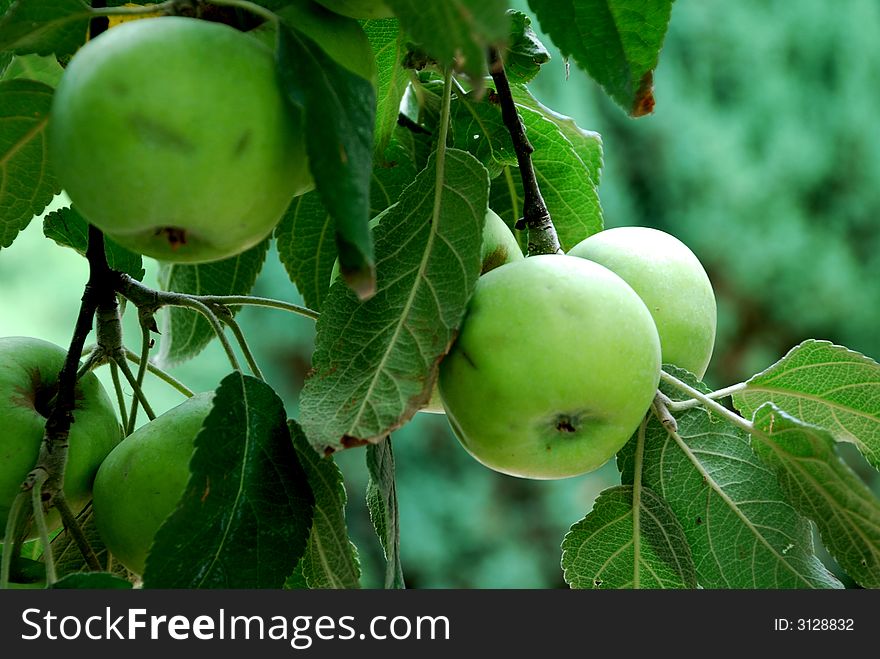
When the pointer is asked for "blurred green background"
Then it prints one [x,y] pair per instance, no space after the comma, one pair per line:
[763,155]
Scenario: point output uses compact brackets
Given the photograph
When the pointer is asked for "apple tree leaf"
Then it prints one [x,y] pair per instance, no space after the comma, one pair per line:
[617,42]
[613,548]
[567,182]
[477,127]
[69,559]
[822,487]
[825,385]
[389,47]
[304,236]
[339,114]
[45,69]
[27,184]
[453,30]
[69,229]
[330,559]
[382,504]
[244,519]
[525,53]
[185,332]
[742,531]
[375,362]
[43,27]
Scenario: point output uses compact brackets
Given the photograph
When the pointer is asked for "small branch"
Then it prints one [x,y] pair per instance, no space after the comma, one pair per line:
[162,375]
[660,407]
[637,500]
[680,406]
[138,392]
[146,342]
[243,344]
[120,396]
[42,529]
[246,300]
[9,546]
[707,402]
[536,218]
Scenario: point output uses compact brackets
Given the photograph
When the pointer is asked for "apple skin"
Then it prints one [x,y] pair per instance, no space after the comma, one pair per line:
[140,483]
[499,246]
[555,366]
[173,136]
[359,8]
[29,369]
[670,280]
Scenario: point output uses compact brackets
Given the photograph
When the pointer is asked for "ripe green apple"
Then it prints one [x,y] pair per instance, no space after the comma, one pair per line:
[29,371]
[359,8]
[670,280]
[499,246]
[173,136]
[142,480]
[555,365]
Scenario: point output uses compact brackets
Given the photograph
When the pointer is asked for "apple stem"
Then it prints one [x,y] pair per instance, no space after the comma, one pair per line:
[231,323]
[682,405]
[543,238]
[11,544]
[708,403]
[42,529]
[162,375]
[120,398]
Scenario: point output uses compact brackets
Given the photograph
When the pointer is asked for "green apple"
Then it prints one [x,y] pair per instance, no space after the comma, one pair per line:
[555,365]
[359,8]
[29,370]
[499,246]
[670,280]
[142,480]
[173,136]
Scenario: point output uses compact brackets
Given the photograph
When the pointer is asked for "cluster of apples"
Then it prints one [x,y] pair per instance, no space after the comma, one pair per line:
[559,356]
[556,363]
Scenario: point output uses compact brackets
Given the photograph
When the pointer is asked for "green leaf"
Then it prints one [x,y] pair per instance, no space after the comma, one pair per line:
[525,52]
[33,67]
[586,143]
[27,184]
[69,559]
[477,127]
[306,247]
[462,28]
[609,548]
[43,27]
[567,183]
[92,580]
[339,111]
[244,518]
[305,234]
[185,332]
[822,487]
[825,385]
[375,362]
[331,559]
[741,530]
[382,504]
[70,229]
[389,46]
[617,42]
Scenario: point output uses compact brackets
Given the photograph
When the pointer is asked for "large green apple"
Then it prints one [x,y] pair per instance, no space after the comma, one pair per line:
[670,280]
[174,137]
[142,480]
[556,363]
[29,371]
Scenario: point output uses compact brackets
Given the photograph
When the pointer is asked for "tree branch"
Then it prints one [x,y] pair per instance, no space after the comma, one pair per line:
[536,218]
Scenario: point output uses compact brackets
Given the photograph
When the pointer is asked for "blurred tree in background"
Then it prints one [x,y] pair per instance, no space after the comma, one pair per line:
[762,155]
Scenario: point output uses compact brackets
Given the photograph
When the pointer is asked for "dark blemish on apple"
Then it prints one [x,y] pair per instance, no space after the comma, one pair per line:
[173,235]
[565,424]
[498,257]
[242,145]
[158,134]
[119,88]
